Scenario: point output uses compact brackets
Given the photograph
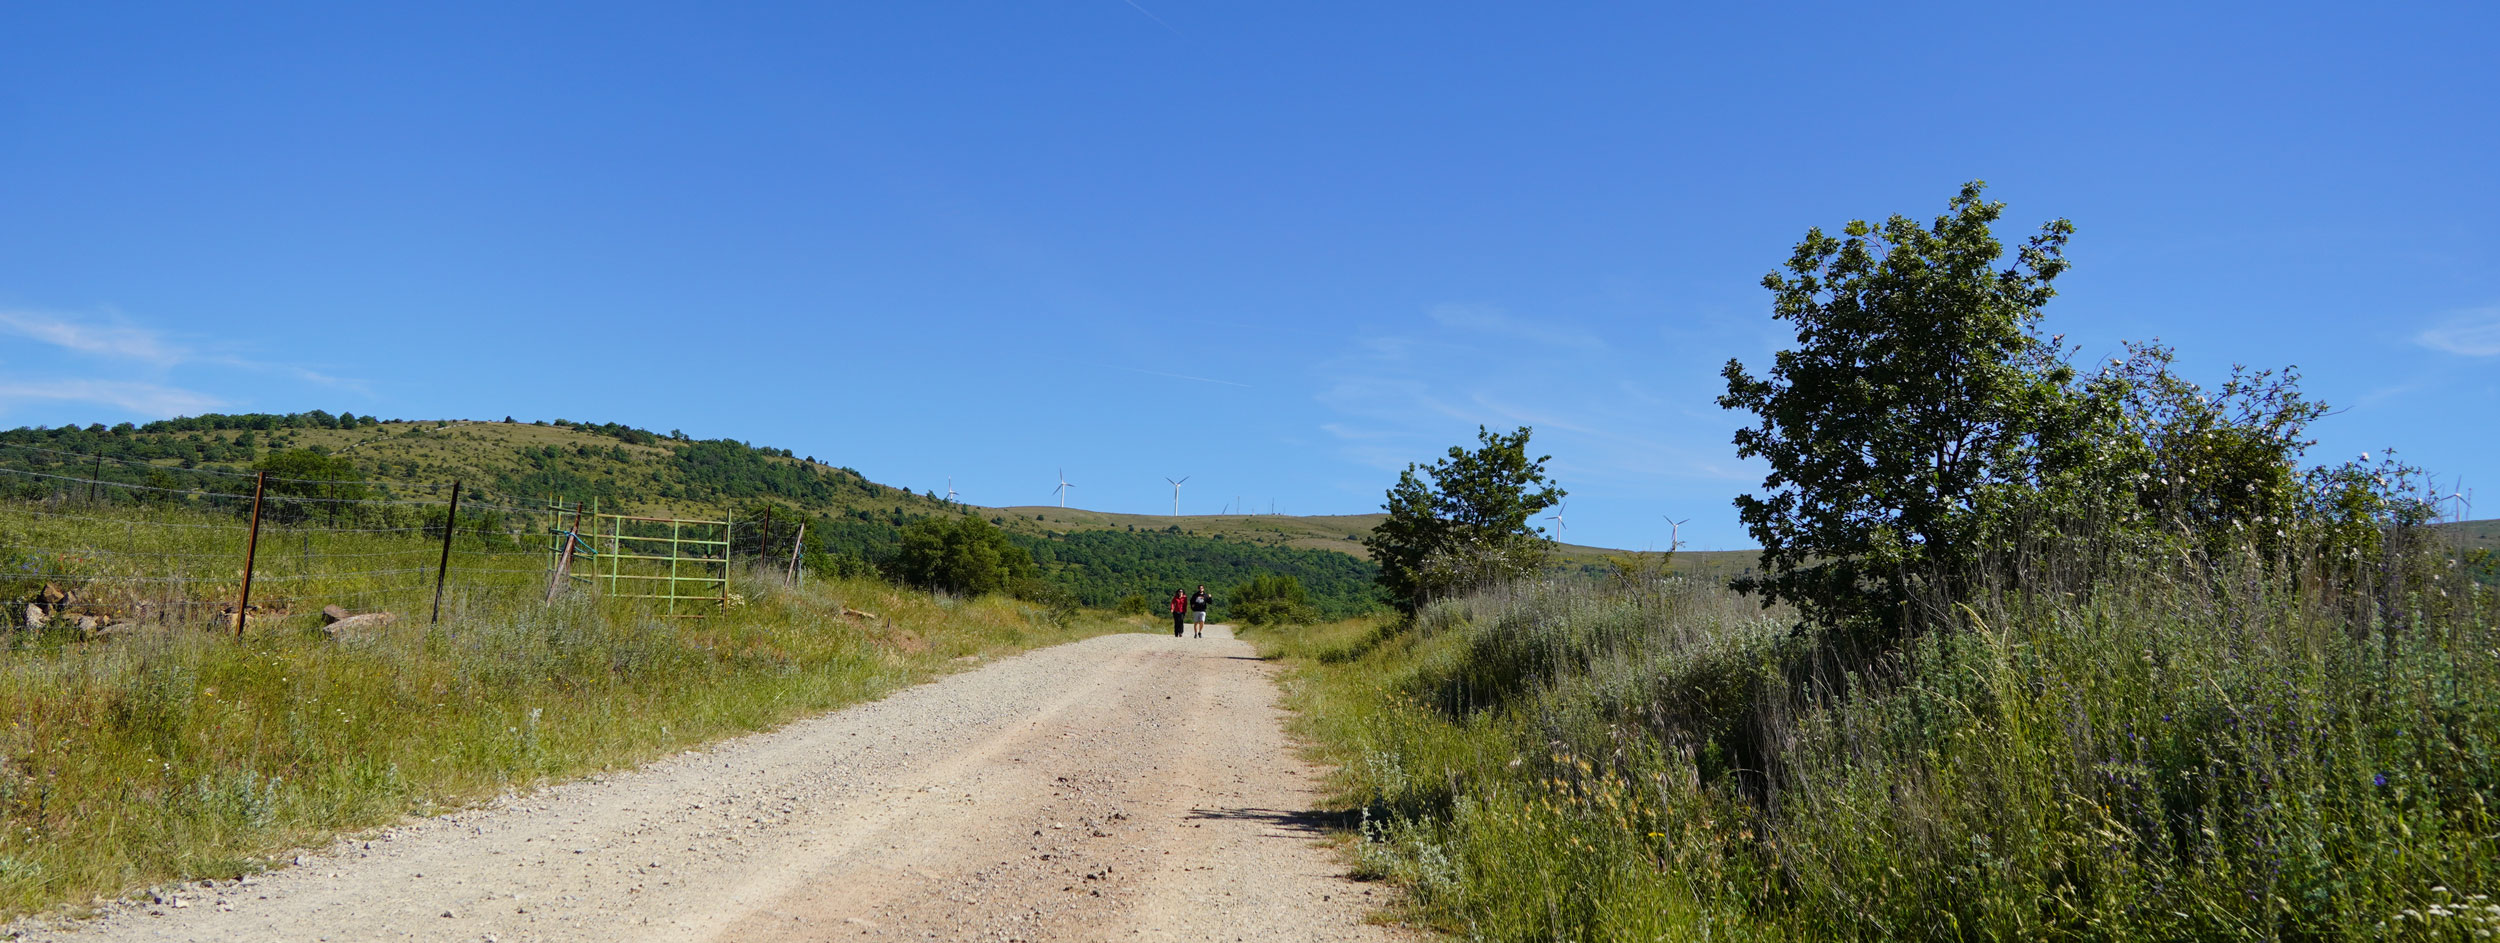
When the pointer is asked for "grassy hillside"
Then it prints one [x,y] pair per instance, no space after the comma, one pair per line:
[852,523]
[2474,535]
[849,517]
[1342,533]
[2478,546]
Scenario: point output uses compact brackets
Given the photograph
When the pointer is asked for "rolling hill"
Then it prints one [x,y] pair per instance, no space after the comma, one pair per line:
[626,468]
[852,522]
[1342,533]
[639,471]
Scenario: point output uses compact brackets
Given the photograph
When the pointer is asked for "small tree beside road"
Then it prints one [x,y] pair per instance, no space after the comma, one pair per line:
[1463,521]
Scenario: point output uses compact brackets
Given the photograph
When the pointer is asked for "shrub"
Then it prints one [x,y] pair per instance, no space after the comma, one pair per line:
[1271,600]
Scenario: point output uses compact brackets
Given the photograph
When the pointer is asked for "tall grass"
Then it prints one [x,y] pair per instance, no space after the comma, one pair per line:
[181,752]
[2191,752]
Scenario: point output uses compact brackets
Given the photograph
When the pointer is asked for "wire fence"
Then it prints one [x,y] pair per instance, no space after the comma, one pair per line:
[122,542]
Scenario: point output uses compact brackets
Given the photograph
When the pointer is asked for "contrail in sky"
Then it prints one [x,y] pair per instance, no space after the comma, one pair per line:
[1150,15]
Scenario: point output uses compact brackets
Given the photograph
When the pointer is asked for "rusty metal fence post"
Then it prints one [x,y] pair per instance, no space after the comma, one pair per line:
[251,548]
[451,524]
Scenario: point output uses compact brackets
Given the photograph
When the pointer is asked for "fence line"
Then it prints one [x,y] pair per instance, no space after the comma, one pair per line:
[133,540]
[120,541]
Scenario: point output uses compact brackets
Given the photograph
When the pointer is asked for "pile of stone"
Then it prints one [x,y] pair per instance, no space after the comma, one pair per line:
[55,605]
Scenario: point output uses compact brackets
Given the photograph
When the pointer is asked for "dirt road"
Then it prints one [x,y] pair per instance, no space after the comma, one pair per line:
[1128,787]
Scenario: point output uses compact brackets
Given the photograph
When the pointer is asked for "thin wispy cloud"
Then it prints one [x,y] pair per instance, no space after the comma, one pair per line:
[118,340]
[110,360]
[1494,320]
[143,398]
[1403,398]
[2473,333]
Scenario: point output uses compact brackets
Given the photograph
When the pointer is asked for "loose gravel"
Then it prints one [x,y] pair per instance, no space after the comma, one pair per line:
[1126,787]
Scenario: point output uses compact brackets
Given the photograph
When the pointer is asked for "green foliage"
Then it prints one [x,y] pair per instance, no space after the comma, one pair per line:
[1463,522]
[1100,566]
[1917,405]
[2174,757]
[324,485]
[2219,464]
[964,555]
[1269,599]
[1921,432]
[726,469]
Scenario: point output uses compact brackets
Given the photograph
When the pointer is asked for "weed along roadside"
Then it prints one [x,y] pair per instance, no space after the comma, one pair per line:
[1567,761]
[175,754]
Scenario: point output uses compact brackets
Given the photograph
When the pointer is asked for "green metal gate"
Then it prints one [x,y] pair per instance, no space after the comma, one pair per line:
[678,560]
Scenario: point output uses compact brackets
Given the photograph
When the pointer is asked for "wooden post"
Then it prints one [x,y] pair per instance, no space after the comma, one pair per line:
[251,547]
[451,522]
[795,544]
[564,560]
[616,551]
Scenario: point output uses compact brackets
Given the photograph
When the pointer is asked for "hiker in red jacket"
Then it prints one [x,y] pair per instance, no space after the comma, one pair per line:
[1180,610]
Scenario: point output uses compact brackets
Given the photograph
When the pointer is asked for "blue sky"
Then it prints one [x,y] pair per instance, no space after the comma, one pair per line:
[1283,248]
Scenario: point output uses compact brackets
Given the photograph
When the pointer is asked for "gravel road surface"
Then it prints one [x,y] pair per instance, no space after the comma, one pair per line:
[1127,787]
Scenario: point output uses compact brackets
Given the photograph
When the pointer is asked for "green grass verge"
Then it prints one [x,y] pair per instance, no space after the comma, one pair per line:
[175,752]
[2217,756]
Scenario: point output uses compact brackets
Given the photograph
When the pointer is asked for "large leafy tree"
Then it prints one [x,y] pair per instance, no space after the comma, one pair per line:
[1463,521]
[963,554]
[304,484]
[1918,404]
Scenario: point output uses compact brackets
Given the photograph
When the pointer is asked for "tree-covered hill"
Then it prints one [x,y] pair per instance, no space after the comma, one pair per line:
[1109,564]
[852,524]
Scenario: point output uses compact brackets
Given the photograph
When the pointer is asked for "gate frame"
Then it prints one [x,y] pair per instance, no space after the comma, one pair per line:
[610,530]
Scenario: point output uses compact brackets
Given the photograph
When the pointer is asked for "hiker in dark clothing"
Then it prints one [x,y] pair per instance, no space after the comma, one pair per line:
[1180,610]
[1198,604]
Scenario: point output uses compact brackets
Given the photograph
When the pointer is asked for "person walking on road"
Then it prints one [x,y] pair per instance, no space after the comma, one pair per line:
[1180,610]
[1198,604]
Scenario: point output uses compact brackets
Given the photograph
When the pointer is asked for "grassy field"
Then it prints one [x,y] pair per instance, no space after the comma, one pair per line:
[2225,754]
[177,751]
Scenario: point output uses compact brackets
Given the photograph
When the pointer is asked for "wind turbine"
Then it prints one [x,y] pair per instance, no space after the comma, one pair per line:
[1675,529]
[950,489]
[1176,494]
[1062,490]
[1556,517]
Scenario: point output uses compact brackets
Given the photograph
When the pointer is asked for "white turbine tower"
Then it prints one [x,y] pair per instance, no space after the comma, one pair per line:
[950,489]
[1176,494]
[1557,518]
[1675,530]
[1062,490]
